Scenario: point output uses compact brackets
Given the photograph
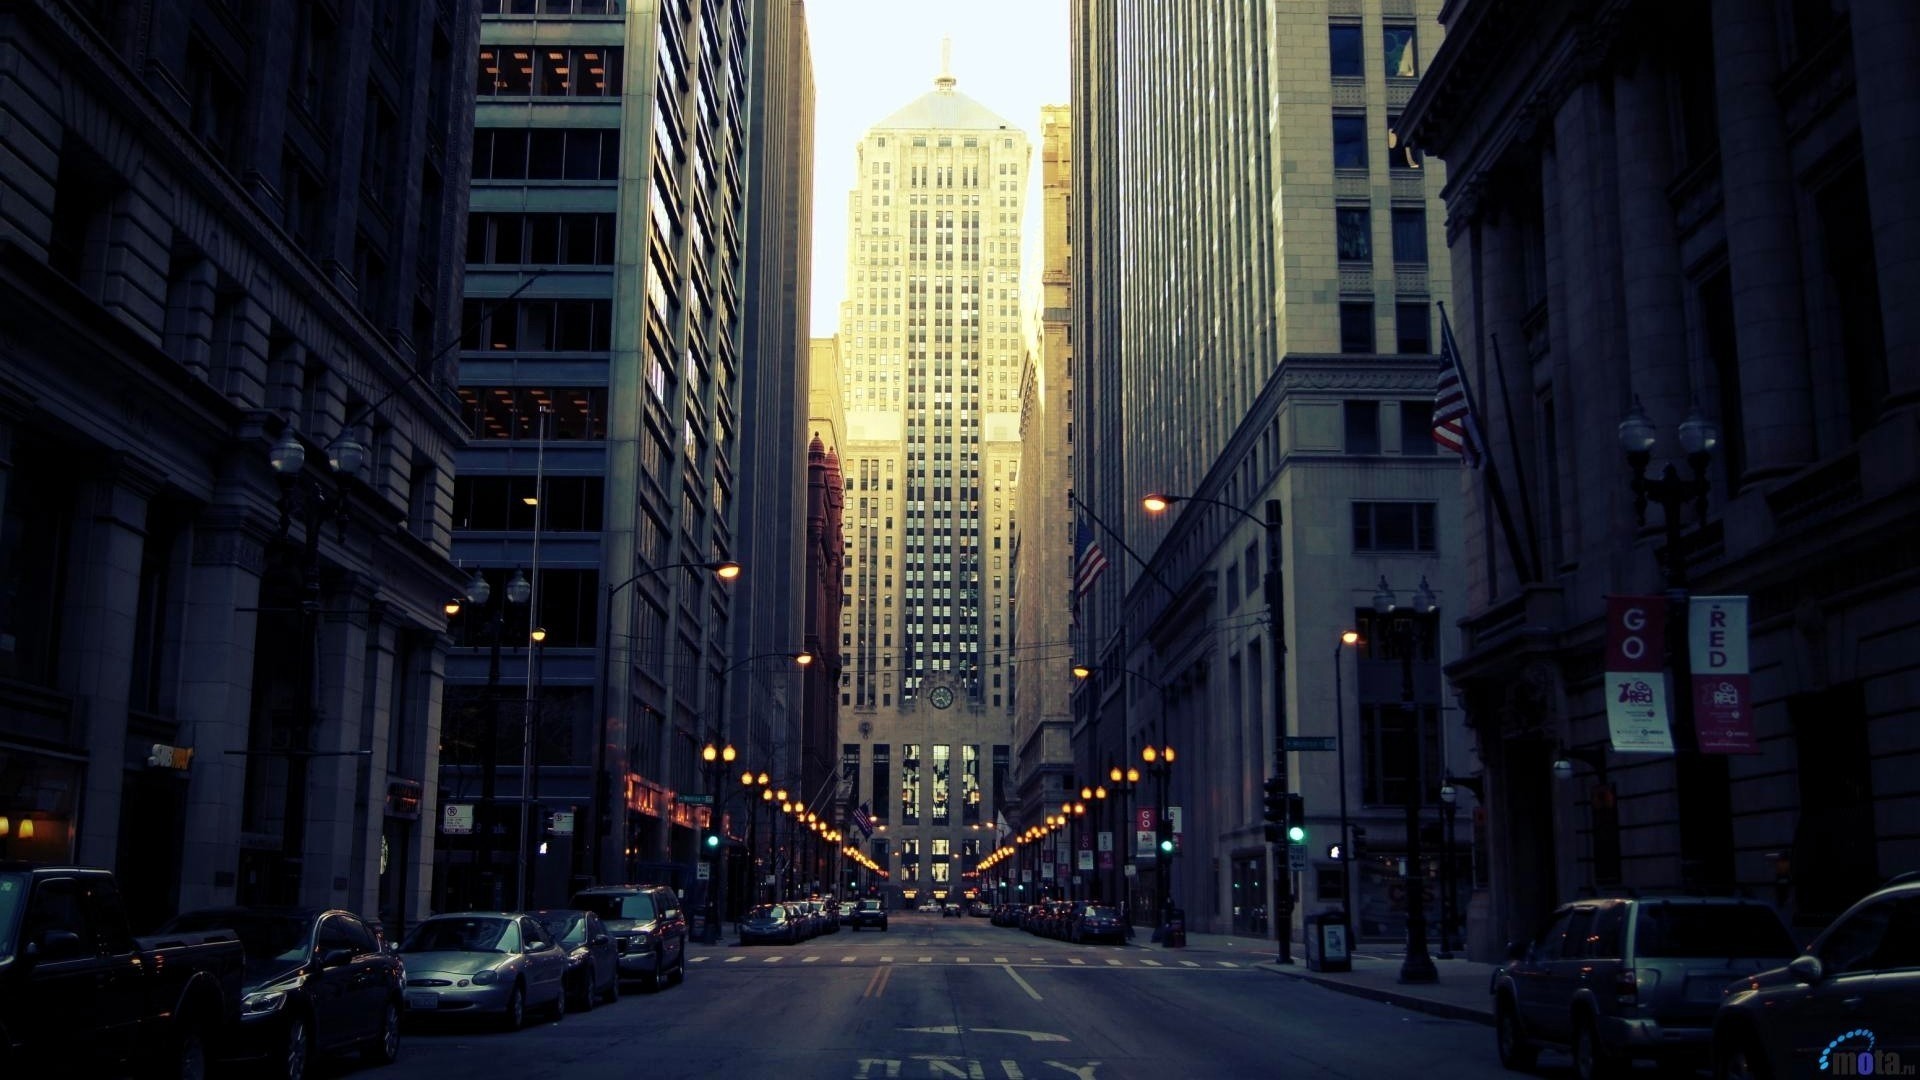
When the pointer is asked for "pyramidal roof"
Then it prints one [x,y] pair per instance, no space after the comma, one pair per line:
[943,107]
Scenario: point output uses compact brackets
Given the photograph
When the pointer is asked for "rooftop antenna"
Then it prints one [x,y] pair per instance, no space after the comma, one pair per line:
[945,80]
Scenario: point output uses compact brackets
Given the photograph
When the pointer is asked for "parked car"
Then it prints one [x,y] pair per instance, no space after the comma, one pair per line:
[1617,979]
[79,993]
[315,982]
[1861,974]
[485,962]
[870,913]
[772,922]
[824,919]
[1096,922]
[593,961]
[930,907]
[649,929]
[950,911]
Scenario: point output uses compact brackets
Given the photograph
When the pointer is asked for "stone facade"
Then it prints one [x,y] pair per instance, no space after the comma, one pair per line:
[1711,206]
[226,228]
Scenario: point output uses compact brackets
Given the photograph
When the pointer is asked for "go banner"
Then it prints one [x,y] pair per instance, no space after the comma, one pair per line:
[1638,719]
[1717,645]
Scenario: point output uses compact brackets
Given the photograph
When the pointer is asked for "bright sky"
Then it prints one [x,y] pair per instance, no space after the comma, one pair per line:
[872,57]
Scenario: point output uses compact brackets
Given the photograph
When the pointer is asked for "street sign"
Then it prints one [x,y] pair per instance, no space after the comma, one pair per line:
[1310,742]
[1296,857]
[563,823]
[457,819]
[694,800]
[702,870]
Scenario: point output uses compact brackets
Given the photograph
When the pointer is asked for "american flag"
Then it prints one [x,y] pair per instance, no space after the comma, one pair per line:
[1088,561]
[1453,422]
[863,820]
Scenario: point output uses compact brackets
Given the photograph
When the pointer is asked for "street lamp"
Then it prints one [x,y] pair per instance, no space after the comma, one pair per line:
[725,570]
[1418,965]
[1097,794]
[482,596]
[1159,765]
[317,505]
[1702,834]
[714,760]
[1275,588]
[1347,639]
[1124,781]
[1448,796]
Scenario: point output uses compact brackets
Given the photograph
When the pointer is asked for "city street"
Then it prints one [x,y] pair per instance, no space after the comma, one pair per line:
[936,997]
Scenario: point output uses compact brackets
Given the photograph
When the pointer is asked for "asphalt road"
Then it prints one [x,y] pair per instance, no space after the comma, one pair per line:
[938,997]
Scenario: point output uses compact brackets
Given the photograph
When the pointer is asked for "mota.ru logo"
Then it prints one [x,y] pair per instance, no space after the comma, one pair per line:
[1857,1053]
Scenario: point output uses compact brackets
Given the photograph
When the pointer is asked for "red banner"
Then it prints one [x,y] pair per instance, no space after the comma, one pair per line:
[1636,686]
[1722,706]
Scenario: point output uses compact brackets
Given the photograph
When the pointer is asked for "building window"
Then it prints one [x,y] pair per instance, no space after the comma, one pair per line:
[970,780]
[1346,51]
[882,780]
[1356,233]
[1349,142]
[910,784]
[1363,428]
[850,771]
[1413,328]
[502,503]
[1401,154]
[1401,62]
[512,412]
[1356,326]
[1393,526]
[1416,429]
[942,769]
[1396,745]
[1410,236]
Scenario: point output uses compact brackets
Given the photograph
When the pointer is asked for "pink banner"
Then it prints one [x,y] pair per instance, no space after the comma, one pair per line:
[1636,687]
[1722,703]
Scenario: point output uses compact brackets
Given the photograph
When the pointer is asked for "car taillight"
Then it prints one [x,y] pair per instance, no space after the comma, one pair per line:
[1626,986]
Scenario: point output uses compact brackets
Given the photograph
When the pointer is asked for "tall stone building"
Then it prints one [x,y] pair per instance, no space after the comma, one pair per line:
[1268,252]
[930,352]
[229,269]
[1701,207]
[607,392]
[1042,560]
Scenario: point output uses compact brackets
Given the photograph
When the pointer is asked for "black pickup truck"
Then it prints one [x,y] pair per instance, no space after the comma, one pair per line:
[81,996]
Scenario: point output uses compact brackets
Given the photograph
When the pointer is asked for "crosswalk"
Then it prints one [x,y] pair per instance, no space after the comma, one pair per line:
[956,959]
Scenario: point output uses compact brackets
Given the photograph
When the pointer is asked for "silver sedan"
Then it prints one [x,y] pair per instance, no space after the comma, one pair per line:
[485,962]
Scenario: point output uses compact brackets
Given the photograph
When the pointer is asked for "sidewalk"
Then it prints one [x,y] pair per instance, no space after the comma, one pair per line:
[1460,994]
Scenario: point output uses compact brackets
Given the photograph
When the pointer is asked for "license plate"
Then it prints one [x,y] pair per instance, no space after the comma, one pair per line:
[422,999]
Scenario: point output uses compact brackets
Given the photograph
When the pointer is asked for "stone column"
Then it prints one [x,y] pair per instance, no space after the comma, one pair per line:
[216,697]
[1763,241]
[1656,329]
[333,807]
[1886,38]
[96,655]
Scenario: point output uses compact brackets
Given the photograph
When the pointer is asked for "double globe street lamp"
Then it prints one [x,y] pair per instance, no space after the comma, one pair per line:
[1158,761]
[1418,965]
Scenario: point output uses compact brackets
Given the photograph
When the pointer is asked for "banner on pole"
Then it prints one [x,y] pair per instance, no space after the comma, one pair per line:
[1722,708]
[1638,720]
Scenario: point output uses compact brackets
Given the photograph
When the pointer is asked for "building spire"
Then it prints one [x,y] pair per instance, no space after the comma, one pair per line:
[945,79]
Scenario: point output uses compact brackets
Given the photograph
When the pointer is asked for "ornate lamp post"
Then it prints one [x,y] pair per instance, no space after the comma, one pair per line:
[479,593]
[1159,764]
[715,760]
[1418,965]
[1124,781]
[1098,795]
[749,782]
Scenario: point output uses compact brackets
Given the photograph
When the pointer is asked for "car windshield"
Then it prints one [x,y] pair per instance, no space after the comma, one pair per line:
[869,905]
[569,928]
[462,934]
[266,938]
[1702,931]
[1098,912]
[13,895]
[768,911]
[620,907]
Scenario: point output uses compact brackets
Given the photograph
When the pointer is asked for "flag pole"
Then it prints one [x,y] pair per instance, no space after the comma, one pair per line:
[1074,500]
[1519,467]
[1495,489]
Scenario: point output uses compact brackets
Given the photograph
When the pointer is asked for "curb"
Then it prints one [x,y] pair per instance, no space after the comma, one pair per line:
[1409,1002]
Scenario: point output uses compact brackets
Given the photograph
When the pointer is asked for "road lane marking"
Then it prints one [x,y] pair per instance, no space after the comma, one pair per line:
[735,959]
[846,959]
[1024,984]
[1224,963]
[889,1068]
[809,959]
[886,959]
[773,959]
[999,959]
[926,959]
[1111,962]
[1012,1069]
[1188,963]
[964,959]
[1083,1073]
[701,959]
[955,1029]
[877,983]
[1076,960]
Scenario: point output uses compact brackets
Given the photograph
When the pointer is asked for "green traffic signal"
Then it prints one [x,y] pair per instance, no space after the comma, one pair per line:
[1296,834]
[713,840]
[1166,844]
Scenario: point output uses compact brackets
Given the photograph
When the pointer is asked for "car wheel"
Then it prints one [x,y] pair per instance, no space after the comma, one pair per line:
[1516,1052]
[680,969]
[558,1010]
[1741,1058]
[384,1047]
[294,1051]
[189,1060]
[612,992]
[1590,1059]
[582,991]
[515,1013]
[660,974]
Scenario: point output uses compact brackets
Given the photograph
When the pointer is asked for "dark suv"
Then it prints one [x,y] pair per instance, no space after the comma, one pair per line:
[649,929]
[869,913]
[1850,1001]
[1616,979]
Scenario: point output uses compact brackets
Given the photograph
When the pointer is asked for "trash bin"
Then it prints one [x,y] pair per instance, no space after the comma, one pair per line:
[1177,929]
[1326,934]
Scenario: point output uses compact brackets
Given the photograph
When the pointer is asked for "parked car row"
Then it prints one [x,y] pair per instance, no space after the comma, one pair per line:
[1686,981]
[790,921]
[1075,921]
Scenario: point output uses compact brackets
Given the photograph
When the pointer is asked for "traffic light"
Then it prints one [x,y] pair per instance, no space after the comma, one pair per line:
[1165,834]
[1276,800]
[713,841]
[1276,834]
[1296,817]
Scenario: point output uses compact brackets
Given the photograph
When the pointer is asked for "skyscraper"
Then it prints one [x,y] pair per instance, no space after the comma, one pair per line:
[604,380]
[930,349]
